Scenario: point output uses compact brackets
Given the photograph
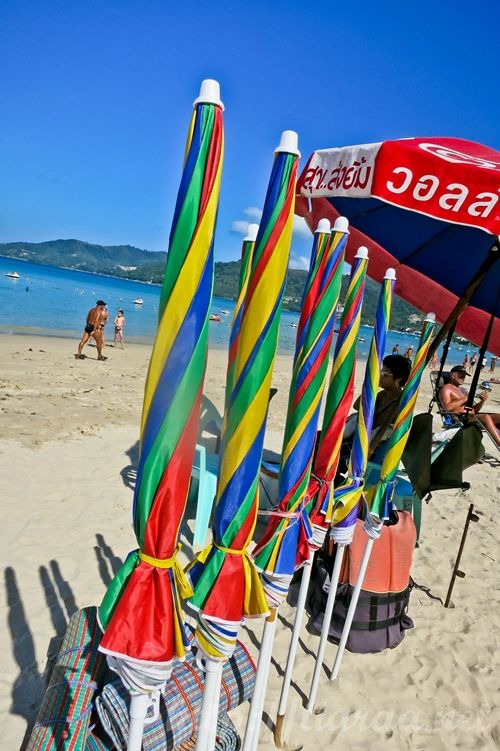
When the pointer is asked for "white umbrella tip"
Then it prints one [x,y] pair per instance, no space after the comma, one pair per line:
[430,317]
[289,142]
[390,274]
[341,225]
[209,93]
[251,234]
[362,252]
[323,226]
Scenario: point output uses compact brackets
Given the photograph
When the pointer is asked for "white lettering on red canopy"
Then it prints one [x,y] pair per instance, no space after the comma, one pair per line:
[449,179]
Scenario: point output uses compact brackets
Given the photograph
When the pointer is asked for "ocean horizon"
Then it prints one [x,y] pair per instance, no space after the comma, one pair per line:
[54,301]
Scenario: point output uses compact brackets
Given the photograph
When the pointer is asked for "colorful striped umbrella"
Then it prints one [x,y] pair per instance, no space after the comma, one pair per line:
[141,612]
[275,554]
[245,267]
[340,395]
[348,495]
[288,532]
[329,262]
[380,499]
[226,583]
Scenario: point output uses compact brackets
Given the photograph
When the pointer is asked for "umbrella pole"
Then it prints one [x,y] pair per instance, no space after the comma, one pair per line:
[339,557]
[352,609]
[251,738]
[471,517]
[139,704]
[207,723]
[292,652]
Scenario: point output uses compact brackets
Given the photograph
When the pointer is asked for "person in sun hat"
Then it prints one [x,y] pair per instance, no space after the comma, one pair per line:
[94,325]
[453,398]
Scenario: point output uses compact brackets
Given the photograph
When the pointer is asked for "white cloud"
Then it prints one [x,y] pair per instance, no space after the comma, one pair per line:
[240,226]
[299,262]
[254,214]
[300,228]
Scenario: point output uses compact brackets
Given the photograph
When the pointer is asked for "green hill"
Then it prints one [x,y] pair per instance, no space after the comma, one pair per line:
[128,262]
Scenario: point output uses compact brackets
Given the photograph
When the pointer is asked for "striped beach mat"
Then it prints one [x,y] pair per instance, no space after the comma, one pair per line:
[63,718]
[181,705]
[226,739]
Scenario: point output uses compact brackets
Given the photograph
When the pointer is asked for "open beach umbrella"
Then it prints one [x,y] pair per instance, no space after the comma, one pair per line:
[141,614]
[288,530]
[429,207]
[226,584]
[347,496]
[379,500]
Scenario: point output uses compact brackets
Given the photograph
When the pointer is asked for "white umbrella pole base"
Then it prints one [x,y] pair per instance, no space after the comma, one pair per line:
[292,651]
[207,723]
[139,704]
[352,609]
[251,739]
[326,626]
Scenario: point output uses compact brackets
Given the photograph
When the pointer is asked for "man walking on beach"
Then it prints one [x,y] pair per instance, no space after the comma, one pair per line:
[94,325]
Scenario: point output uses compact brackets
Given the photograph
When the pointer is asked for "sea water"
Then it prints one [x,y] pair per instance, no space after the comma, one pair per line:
[51,301]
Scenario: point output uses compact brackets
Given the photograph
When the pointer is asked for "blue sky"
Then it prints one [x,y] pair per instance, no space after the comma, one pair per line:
[97,95]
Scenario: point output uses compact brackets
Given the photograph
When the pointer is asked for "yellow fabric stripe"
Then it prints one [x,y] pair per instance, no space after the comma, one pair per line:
[182,295]
[245,434]
[301,426]
[264,297]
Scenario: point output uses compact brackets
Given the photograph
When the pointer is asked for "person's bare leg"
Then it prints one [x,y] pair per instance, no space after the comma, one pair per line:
[492,424]
[83,342]
[98,343]
[120,336]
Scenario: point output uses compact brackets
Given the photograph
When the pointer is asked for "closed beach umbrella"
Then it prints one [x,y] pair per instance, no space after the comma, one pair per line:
[325,276]
[380,500]
[226,584]
[245,267]
[348,495]
[141,612]
[288,530]
[339,398]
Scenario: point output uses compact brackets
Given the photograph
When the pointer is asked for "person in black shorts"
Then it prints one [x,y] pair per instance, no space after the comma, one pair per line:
[94,324]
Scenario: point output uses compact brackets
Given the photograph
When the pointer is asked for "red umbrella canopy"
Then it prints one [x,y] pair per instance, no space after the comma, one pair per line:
[427,206]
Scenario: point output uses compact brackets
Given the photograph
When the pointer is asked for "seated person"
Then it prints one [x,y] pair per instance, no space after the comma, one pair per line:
[393,376]
[453,399]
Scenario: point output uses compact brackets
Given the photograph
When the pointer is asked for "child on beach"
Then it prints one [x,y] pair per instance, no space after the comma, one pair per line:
[119,326]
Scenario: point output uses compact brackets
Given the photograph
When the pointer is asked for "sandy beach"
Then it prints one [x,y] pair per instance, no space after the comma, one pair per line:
[68,447]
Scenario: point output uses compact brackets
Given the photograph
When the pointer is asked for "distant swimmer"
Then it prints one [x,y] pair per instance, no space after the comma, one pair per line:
[94,325]
[27,289]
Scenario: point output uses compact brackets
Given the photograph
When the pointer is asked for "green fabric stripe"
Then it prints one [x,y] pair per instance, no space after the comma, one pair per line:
[187,221]
[254,377]
[170,431]
[116,588]
[278,207]
[211,571]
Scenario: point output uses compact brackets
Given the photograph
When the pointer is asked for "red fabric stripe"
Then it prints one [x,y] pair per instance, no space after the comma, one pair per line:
[314,369]
[213,159]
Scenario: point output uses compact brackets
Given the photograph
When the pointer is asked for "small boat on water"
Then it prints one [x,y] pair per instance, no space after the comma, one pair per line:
[138,301]
[214,317]
[12,274]
[293,325]
[361,338]
[225,312]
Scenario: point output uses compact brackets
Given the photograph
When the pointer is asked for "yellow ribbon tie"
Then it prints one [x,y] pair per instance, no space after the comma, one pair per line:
[182,582]
[230,550]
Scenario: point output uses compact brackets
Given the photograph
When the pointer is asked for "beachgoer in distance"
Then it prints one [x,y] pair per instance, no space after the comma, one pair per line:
[408,353]
[395,349]
[119,326]
[472,363]
[466,362]
[433,362]
[493,364]
[94,325]
[454,398]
